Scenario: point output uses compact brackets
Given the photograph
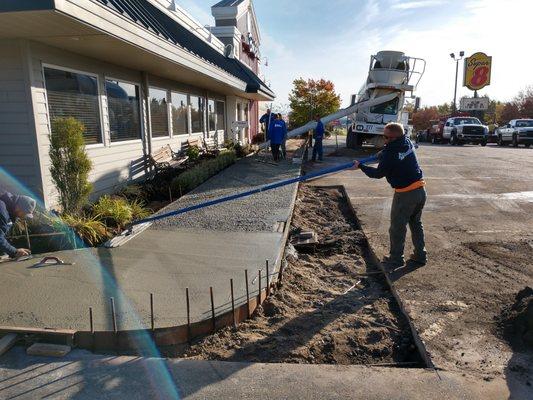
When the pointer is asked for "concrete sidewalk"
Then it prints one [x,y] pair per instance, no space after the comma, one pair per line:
[82,375]
[204,248]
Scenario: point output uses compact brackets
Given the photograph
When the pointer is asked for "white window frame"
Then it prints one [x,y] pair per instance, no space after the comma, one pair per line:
[210,132]
[204,122]
[189,128]
[225,113]
[141,114]
[169,118]
[103,143]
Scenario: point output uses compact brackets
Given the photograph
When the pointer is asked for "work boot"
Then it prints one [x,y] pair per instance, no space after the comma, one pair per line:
[391,263]
[418,260]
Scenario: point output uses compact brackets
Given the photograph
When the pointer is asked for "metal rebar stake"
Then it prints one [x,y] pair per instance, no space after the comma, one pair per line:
[188,314]
[247,292]
[212,308]
[268,279]
[259,301]
[232,303]
[152,311]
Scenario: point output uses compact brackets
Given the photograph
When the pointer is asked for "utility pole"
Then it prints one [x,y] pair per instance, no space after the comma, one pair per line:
[452,55]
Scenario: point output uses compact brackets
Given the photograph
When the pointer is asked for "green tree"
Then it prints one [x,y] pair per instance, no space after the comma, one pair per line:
[310,97]
[70,164]
[445,109]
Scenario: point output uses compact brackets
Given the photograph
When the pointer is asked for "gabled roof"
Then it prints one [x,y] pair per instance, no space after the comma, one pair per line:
[228,3]
[151,18]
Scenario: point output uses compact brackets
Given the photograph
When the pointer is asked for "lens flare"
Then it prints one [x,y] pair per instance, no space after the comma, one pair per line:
[157,369]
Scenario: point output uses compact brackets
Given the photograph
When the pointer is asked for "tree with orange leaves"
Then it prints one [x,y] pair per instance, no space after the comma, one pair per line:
[310,97]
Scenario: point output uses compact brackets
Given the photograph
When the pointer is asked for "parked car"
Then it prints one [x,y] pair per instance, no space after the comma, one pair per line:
[517,131]
[461,130]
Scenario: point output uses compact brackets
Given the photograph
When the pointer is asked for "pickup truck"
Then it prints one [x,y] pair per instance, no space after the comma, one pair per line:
[461,130]
[515,132]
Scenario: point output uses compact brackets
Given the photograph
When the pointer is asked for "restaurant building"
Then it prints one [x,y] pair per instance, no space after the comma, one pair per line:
[139,74]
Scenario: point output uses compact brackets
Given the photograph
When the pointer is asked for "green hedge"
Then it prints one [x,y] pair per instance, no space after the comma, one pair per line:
[197,175]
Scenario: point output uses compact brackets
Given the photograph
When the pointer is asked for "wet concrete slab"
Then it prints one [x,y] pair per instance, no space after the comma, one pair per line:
[163,260]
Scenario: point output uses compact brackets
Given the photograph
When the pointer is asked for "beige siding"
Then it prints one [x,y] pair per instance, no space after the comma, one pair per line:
[113,163]
[18,146]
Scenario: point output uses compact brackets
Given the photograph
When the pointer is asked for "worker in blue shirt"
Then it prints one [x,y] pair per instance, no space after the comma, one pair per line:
[318,136]
[267,120]
[12,207]
[398,163]
[283,147]
[278,132]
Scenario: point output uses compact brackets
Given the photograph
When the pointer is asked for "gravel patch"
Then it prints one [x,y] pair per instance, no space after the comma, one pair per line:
[257,213]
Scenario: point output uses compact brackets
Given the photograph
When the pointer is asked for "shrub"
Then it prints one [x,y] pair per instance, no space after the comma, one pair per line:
[138,210]
[90,229]
[113,211]
[70,165]
[194,177]
[193,152]
[132,192]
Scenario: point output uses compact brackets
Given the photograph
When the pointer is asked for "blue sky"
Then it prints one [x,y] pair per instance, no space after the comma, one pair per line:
[334,39]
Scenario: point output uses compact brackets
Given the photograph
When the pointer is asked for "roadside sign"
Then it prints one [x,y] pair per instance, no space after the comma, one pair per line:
[477,71]
[474,104]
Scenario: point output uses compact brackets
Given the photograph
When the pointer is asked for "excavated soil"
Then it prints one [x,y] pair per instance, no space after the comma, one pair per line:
[516,322]
[334,306]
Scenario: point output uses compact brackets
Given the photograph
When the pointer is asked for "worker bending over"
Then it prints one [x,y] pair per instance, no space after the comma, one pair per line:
[398,163]
[12,207]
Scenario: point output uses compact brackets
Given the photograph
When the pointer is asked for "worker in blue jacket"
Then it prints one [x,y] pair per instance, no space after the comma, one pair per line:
[12,207]
[267,120]
[398,163]
[318,136]
[278,132]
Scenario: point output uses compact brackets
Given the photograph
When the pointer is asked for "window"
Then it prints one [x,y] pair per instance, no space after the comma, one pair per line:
[221,116]
[197,114]
[180,114]
[211,115]
[123,105]
[388,108]
[72,94]
[524,123]
[159,112]
[463,121]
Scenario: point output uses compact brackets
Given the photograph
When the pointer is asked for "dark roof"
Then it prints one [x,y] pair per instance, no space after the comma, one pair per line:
[228,3]
[156,21]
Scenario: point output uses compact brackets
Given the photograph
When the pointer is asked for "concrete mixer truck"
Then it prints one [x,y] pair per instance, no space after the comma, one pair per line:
[390,73]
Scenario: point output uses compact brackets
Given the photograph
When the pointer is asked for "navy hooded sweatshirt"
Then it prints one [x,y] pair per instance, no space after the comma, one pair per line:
[7,207]
[398,163]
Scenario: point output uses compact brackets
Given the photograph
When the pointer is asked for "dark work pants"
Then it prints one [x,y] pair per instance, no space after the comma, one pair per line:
[317,150]
[407,210]
[275,151]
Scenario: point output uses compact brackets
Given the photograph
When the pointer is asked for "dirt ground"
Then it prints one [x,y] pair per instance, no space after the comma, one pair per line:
[324,312]
[478,234]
